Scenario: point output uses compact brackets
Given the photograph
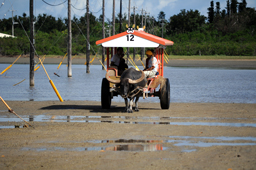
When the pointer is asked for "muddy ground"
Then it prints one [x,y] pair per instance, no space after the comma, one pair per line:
[81,135]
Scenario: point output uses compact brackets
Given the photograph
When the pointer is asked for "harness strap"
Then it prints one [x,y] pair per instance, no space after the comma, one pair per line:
[131,95]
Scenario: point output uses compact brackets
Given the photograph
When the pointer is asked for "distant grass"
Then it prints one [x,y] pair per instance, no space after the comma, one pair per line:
[175,57]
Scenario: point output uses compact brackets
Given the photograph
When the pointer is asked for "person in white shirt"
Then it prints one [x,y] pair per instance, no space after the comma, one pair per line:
[151,65]
[115,60]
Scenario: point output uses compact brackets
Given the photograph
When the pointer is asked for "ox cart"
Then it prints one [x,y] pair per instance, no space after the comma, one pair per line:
[111,85]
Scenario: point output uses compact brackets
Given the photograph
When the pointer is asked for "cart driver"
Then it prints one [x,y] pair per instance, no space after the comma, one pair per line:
[151,65]
[118,61]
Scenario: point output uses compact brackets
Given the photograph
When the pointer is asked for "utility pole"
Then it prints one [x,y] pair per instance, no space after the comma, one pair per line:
[146,19]
[120,28]
[88,39]
[113,22]
[113,25]
[129,7]
[129,13]
[69,41]
[153,19]
[142,49]
[142,18]
[13,22]
[134,22]
[162,27]
[32,50]
[103,31]
[109,30]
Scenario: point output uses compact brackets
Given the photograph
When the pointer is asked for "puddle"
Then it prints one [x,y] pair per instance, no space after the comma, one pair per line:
[10,127]
[126,141]
[185,143]
[130,145]
[137,148]
[202,144]
[204,141]
[41,118]
[189,150]
[125,120]
[219,138]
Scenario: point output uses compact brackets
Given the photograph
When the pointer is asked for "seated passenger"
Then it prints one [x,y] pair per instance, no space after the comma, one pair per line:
[118,61]
[151,65]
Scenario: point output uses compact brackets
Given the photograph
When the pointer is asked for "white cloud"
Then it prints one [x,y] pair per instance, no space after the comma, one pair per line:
[166,3]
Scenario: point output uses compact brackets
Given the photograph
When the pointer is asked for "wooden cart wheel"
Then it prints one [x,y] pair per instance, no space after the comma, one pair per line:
[165,95]
[105,94]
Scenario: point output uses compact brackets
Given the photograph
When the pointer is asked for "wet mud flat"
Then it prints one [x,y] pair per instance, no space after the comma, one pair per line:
[79,134]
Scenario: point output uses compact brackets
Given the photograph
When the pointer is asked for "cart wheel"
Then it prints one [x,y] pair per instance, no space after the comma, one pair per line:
[105,94]
[165,95]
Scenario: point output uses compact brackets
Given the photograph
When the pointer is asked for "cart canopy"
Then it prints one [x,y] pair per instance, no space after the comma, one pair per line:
[134,39]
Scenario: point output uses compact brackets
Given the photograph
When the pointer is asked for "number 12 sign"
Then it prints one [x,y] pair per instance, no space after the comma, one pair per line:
[130,37]
[130,40]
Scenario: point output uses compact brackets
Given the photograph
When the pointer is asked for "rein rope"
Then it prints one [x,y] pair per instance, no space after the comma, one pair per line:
[131,95]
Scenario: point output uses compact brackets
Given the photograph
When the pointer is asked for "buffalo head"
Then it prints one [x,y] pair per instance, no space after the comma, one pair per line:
[131,82]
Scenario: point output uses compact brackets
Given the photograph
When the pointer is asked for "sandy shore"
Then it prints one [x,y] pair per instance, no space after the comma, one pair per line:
[242,64]
[81,135]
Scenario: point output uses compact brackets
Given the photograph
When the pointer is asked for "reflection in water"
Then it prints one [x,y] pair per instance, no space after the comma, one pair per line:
[137,148]
[185,143]
[32,91]
[31,118]
[131,141]
[156,147]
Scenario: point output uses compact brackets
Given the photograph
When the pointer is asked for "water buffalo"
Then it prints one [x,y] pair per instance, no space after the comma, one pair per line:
[131,85]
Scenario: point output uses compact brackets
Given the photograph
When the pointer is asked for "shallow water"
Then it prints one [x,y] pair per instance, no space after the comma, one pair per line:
[137,148]
[187,84]
[138,145]
[119,120]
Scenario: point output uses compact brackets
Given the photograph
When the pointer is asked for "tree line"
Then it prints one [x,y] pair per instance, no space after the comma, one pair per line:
[228,31]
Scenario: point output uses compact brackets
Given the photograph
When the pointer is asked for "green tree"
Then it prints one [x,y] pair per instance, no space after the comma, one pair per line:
[211,12]
[242,6]
[161,16]
[217,12]
[228,7]
[233,6]
[186,21]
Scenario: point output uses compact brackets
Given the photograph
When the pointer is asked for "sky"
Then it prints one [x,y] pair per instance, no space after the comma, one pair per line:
[152,7]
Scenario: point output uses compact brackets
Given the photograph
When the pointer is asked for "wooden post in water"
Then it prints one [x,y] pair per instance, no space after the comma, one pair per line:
[69,41]
[32,50]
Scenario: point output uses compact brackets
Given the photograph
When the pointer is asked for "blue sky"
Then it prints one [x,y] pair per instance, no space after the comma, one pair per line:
[170,7]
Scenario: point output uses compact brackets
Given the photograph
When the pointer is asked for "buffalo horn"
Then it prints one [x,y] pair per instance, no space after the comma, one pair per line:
[112,80]
[138,80]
